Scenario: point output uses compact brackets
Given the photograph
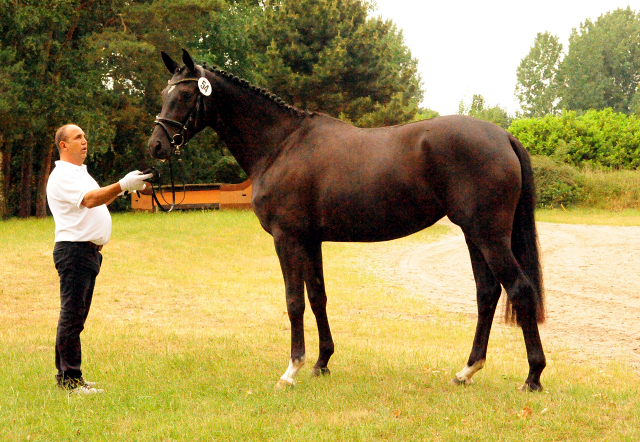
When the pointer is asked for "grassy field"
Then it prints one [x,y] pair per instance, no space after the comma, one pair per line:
[188,335]
[611,190]
[592,216]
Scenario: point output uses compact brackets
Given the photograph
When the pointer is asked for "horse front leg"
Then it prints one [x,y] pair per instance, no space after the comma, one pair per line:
[292,261]
[488,293]
[314,280]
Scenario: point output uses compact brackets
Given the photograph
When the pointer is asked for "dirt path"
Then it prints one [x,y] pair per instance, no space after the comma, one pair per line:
[592,280]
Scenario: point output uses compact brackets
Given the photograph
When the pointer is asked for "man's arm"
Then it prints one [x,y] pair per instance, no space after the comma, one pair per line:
[108,194]
[105,195]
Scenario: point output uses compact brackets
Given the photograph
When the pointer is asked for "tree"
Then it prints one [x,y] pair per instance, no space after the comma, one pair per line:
[42,47]
[602,68]
[537,86]
[425,114]
[92,62]
[481,110]
[329,56]
[96,63]
[128,55]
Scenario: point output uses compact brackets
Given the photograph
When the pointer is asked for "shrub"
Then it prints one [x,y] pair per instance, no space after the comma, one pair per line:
[227,170]
[601,139]
[556,184]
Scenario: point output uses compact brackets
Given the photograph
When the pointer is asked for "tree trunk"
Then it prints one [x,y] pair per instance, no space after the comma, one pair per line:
[3,187]
[6,172]
[24,210]
[45,170]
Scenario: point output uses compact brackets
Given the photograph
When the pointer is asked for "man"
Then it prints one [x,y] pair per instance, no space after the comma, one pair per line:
[83,227]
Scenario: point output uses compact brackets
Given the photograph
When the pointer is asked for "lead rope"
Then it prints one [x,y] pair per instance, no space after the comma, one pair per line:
[154,193]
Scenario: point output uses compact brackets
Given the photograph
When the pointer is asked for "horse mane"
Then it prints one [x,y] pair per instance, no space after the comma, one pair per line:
[258,91]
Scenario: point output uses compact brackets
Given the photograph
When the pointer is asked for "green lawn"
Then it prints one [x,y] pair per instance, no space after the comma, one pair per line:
[188,335]
[627,217]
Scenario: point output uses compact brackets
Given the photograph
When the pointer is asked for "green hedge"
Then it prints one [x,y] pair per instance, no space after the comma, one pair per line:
[556,184]
[602,139]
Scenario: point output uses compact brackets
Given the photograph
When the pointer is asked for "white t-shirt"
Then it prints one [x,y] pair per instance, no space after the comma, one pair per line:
[66,188]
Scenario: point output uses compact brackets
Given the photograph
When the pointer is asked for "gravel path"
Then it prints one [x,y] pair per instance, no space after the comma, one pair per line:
[591,276]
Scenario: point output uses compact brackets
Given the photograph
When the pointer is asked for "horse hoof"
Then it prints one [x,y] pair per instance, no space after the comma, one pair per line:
[320,371]
[530,388]
[283,385]
[458,381]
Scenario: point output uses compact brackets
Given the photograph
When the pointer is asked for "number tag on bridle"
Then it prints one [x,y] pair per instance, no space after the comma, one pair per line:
[204,86]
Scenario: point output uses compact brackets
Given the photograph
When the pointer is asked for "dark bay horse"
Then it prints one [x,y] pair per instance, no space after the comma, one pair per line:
[316,178]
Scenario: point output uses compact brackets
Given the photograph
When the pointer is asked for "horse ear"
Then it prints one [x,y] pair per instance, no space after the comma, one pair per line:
[171,65]
[188,62]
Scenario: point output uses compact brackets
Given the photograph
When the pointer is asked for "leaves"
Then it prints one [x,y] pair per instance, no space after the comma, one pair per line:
[598,138]
[537,86]
[525,413]
[329,56]
[480,109]
[602,68]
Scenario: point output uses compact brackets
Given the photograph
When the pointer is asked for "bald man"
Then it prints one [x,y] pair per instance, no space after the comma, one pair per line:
[83,227]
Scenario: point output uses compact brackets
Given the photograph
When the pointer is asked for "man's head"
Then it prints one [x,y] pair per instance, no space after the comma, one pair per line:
[72,144]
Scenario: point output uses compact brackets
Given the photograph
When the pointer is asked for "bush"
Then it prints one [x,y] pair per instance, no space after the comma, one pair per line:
[227,170]
[600,139]
[556,184]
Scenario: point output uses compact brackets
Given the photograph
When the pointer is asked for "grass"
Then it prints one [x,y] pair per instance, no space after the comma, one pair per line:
[614,190]
[188,335]
[589,215]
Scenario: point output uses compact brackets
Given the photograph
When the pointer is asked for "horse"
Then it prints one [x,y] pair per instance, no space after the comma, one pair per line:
[316,178]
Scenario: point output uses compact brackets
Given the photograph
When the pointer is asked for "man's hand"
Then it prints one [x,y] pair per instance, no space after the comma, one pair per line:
[134,181]
[148,190]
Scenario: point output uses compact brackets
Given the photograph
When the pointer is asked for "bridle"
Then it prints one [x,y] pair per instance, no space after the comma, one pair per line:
[181,136]
[177,141]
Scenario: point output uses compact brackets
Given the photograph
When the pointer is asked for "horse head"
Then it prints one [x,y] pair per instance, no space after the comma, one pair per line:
[182,107]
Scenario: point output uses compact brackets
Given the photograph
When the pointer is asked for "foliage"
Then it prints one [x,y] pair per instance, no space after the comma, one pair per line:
[611,189]
[602,68]
[226,40]
[329,56]
[537,87]
[556,184]
[597,138]
[42,49]
[425,114]
[478,108]
[96,63]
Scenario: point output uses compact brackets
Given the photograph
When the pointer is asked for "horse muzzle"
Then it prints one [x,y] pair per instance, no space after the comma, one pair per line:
[159,145]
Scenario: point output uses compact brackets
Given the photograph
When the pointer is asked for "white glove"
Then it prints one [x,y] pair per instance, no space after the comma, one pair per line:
[134,181]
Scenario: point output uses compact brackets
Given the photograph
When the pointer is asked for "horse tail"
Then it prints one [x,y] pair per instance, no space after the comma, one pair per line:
[524,237]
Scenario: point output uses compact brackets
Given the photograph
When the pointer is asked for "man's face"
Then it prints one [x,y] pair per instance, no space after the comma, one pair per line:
[74,147]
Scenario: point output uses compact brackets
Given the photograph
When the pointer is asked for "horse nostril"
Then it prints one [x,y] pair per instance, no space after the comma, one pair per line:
[155,150]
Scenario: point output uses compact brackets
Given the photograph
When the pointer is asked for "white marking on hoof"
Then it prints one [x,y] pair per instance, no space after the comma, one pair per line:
[465,375]
[294,367]
[283,385]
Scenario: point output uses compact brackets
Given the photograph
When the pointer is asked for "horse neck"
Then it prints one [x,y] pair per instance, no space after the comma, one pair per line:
[252,126]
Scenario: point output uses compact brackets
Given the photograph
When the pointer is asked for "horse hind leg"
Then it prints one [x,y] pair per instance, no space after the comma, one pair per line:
[521,292]
[488,292]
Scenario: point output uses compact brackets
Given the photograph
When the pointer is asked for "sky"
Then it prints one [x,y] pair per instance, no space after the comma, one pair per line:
[474,47]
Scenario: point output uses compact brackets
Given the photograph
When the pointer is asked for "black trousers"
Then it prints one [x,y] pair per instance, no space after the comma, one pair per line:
[78,264]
